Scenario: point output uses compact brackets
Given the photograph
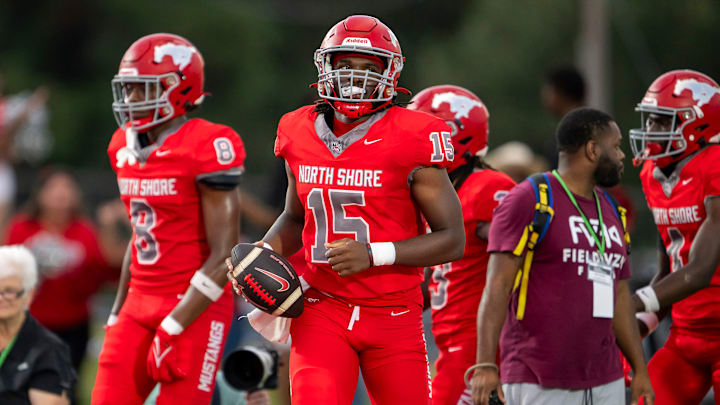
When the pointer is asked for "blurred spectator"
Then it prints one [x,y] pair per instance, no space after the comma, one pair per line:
[70,260]
[35,364]
[517,160]
[563,89]
[15,113]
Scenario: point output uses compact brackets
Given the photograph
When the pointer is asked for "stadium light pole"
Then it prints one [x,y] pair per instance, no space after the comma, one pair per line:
[593,51]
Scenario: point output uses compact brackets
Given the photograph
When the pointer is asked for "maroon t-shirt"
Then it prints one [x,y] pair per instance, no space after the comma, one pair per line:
[559,344]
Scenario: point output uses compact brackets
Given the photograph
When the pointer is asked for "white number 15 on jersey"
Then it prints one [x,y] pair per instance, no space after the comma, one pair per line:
[442,147]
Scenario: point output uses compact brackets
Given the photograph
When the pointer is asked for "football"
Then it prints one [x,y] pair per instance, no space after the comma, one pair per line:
[266,279]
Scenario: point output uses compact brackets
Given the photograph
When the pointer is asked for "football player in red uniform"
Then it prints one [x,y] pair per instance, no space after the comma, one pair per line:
[362,174]
[177,178]
[456,287]
[681,180]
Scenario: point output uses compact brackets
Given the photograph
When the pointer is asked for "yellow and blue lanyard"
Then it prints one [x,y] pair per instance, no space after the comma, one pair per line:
[530,237]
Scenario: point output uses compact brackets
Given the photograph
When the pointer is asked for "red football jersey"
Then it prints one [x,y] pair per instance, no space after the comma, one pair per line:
[358,186]
[677,204]
[158,184]
[456,288]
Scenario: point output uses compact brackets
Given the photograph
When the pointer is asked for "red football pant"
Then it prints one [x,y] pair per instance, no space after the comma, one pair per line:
[448,386]
[331,340]
[122,374]
[683,370]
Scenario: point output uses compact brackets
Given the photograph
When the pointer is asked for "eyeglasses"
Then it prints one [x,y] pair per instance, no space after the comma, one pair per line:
[11,294]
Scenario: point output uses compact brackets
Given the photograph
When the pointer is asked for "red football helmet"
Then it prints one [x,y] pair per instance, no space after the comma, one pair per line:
[464,112]
[692,100]
[170,68]
[364,35]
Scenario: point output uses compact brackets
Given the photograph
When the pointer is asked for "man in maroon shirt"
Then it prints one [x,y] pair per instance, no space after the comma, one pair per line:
[558,343]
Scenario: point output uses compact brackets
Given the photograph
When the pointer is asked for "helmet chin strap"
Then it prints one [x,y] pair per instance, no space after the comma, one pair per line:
[403,90]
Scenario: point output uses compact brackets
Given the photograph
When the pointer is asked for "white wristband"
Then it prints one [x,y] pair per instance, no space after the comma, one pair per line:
[266,245]
[205,285]
[650,320]
[383,253]
[112,320]
[648,297]
[171,326]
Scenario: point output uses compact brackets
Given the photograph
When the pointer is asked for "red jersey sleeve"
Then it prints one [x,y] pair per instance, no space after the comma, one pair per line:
[497,187]
[289,122]
[281,140]
[117,142]
[512,215]
[432,146]
[219,152]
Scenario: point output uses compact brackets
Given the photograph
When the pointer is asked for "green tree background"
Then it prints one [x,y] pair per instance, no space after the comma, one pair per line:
[259,61]
[258,56]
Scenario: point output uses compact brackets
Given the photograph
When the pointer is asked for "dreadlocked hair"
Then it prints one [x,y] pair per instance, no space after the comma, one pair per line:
[459,175]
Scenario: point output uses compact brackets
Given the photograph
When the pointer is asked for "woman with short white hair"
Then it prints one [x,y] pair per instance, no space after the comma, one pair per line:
[35,364]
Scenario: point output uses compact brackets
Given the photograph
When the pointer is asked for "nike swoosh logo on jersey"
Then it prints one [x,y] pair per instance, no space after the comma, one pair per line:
[454,349]
[393,313]
[366,142]
[162,152]
[686,181]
